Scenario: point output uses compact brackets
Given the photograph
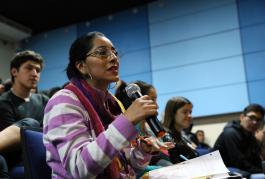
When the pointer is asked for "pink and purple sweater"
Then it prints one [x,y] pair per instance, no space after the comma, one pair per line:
[73,149]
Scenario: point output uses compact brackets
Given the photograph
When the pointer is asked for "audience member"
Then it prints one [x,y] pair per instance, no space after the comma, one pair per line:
[143,127]
[86,135]
[2,88]
[18,106]
[237,144]
[201,140]
[5,86]
[178,116]
[146,89]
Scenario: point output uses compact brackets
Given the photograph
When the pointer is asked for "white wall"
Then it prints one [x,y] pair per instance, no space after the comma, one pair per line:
[7,50]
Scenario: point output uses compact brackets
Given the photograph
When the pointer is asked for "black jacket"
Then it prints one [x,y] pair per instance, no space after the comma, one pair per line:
[239,148]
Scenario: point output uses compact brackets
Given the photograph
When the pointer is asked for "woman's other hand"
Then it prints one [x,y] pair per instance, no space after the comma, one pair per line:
[153,144]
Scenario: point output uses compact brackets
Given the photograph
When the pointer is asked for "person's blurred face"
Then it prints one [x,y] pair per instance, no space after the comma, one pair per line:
[200,136]
[153,95]
[2,89]
[28,74]
[251,121]
[102,63]
[183,117]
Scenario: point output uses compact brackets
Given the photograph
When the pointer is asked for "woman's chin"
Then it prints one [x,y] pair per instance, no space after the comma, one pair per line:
[115,79]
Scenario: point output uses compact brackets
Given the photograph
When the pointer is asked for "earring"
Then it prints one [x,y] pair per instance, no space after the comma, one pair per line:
[90,76]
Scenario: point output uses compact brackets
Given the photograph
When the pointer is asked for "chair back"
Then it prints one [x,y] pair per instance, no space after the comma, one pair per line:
[34,154]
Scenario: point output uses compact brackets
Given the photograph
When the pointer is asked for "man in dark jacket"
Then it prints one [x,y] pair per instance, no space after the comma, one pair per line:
[237,143]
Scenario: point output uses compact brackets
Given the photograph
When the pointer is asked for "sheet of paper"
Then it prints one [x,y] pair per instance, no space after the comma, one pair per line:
[210,165]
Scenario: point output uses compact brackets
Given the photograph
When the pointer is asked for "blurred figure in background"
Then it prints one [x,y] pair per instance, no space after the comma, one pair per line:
[2,87]
[5,86]
[201,140]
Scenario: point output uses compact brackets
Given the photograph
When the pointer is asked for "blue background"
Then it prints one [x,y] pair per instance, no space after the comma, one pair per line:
[210,51]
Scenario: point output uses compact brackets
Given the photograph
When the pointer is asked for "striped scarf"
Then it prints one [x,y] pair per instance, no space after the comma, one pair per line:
[102,109]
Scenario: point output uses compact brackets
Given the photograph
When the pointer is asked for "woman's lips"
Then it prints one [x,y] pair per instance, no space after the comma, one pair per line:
[114,69]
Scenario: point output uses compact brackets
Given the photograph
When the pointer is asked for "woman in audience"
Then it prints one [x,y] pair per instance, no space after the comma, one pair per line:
[85,133]
[146,89]
[143,127]
[177,117]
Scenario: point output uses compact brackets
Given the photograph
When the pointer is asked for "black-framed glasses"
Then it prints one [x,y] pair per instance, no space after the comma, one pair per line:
[104,53]
[254,118]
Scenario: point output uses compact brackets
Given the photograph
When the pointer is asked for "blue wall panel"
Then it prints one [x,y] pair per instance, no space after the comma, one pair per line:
[146,77]
[130,19]
[199,54]
[204,75]
[212,101]
[212,47]
[52,77]
[255,64]
[252,25]
[257,92]
[135,62]
[131,40]
[251,12]
[163,10]
[187,27]
[253,38]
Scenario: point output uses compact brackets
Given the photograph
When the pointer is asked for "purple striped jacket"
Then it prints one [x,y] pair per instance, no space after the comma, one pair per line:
[72,148]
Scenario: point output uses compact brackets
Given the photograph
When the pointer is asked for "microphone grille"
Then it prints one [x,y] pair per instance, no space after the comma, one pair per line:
[131,89]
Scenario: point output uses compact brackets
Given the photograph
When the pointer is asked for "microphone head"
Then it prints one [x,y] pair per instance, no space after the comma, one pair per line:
[132,89]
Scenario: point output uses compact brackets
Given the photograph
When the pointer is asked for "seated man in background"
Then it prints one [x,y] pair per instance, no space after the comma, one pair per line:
[237,143]
[18,106]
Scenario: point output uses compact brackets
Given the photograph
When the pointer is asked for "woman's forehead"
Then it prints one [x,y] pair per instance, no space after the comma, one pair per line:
[102,41]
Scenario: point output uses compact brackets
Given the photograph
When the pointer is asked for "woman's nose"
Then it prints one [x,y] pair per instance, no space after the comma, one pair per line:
[113,58]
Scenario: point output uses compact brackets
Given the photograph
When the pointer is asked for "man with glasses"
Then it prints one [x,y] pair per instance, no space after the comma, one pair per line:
[237,143]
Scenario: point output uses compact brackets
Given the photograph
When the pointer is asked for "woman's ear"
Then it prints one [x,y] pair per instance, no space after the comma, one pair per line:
[81,66]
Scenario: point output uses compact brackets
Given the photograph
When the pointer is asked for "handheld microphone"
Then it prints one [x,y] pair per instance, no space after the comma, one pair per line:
[134,92]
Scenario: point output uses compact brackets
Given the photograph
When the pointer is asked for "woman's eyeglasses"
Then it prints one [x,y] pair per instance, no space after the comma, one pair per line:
[103,53]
